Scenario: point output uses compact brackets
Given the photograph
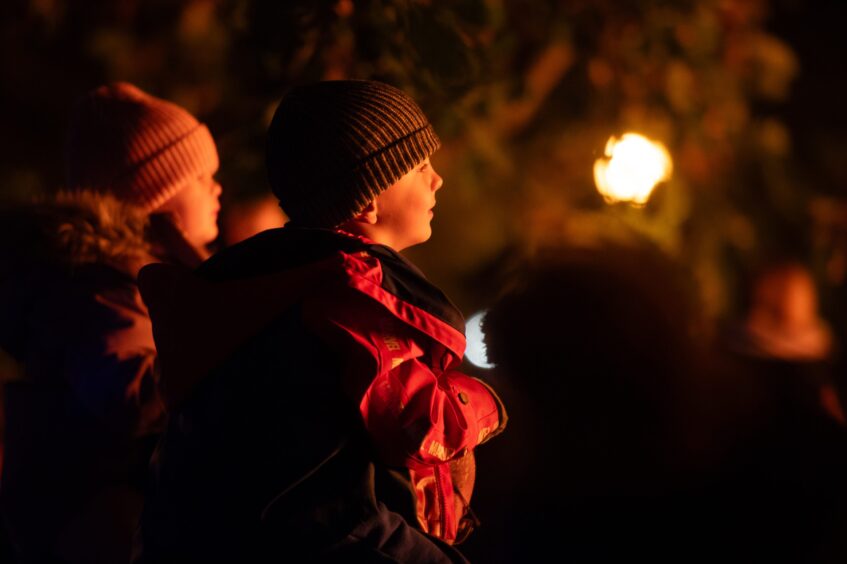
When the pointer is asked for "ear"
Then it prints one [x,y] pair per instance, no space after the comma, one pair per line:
[368,214]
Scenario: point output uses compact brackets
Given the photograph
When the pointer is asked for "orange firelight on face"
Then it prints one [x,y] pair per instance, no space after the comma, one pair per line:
[632,167]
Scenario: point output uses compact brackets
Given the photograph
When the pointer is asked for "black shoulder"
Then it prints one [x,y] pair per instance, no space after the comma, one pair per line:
[276,250]
[404,280]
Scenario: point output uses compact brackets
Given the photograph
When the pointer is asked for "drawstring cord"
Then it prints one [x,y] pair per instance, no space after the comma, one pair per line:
[302,479]
[469,519]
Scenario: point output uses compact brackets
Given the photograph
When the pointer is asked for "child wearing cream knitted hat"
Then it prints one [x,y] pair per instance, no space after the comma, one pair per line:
[146,152]
[84,418]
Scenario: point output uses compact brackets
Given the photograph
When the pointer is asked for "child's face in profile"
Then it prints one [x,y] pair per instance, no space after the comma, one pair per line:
[196,208]
[404,209]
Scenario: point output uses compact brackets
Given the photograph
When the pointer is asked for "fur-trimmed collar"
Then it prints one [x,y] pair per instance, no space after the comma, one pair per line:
[73,229]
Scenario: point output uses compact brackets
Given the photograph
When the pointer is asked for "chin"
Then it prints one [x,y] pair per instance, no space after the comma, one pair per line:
[419,241]
[209,238]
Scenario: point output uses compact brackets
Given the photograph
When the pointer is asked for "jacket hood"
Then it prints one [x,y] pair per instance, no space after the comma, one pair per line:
[200,318]
[55,251]
[70,230]
[74,244]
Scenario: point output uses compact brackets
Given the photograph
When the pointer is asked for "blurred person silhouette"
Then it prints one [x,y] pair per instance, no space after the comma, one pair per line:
[594,353]
[83,416]
[629,433]
[316,413]
[797,452]
[783,339]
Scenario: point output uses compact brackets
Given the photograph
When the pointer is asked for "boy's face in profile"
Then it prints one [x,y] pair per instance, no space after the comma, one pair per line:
[404,209]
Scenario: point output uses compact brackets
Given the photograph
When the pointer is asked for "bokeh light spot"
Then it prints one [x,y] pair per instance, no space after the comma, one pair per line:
[475,351]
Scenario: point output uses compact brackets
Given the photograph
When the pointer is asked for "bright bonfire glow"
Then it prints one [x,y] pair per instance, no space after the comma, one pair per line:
[475,351]
[632,168]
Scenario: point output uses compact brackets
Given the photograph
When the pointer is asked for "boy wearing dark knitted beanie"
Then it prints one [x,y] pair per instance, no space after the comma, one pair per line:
[334,362]
[84,418]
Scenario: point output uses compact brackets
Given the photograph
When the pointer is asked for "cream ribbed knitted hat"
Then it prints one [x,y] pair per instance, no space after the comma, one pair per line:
[140,148]
[333,146]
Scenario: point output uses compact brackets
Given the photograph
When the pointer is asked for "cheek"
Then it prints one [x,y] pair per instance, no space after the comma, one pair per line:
[207,204]
[201,211]
[420,200]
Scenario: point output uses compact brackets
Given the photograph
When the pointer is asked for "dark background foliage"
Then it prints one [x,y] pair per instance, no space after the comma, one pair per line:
[746,95]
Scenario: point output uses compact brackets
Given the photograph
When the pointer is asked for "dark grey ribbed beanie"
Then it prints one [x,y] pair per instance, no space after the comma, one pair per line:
[333,146]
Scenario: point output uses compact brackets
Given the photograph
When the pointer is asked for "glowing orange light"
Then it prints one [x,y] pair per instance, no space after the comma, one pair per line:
[631,169]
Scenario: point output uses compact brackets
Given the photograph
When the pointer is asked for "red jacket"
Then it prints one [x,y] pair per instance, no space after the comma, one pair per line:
[399,336]
[420,412]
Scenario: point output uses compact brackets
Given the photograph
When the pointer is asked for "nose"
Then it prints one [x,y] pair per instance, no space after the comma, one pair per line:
[437,181]
[216,189]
